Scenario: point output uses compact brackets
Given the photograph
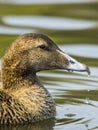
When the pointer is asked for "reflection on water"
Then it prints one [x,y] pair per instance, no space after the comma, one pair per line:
[81,50]
[48,22]
[14,30]
[45,125]
[45,1]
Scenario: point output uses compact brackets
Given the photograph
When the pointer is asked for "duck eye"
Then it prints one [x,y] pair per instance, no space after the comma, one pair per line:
[44,47]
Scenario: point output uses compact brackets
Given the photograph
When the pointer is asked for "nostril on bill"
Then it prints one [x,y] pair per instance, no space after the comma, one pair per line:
[72,62]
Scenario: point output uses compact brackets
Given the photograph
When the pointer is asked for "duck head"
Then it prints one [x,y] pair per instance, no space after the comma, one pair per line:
[32,52]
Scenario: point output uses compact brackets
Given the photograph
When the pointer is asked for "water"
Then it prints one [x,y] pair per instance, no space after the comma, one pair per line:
[48,22]
[14,30]
[75,94]
[45,1]
[81,51]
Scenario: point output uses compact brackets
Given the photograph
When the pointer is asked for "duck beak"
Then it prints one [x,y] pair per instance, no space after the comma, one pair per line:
[74,65]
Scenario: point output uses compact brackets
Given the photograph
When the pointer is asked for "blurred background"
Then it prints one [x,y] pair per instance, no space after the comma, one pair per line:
[73,25]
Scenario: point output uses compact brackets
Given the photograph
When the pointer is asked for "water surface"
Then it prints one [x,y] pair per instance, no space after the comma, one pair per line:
[49,22]
[89,51]
[45,1]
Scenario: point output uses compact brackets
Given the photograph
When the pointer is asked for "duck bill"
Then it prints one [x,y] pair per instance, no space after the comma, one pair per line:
[74,65]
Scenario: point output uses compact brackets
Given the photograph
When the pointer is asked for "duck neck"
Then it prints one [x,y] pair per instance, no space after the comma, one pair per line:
[11,80]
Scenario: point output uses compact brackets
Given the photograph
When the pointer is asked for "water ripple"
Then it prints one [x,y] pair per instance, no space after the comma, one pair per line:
[56,23]
[14,30]
[45,1]
[86,50]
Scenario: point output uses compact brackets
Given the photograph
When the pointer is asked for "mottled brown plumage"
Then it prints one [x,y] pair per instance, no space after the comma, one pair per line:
[23,98]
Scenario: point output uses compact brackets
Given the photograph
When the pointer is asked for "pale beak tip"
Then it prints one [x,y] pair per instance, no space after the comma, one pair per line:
[74,65]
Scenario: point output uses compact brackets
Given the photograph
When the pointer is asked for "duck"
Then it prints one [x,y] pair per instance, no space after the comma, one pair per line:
[23,98]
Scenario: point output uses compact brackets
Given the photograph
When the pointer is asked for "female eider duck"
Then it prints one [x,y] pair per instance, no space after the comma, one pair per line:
[23,98]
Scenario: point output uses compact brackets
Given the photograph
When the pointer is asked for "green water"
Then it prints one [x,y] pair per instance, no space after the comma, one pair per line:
[75,94]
